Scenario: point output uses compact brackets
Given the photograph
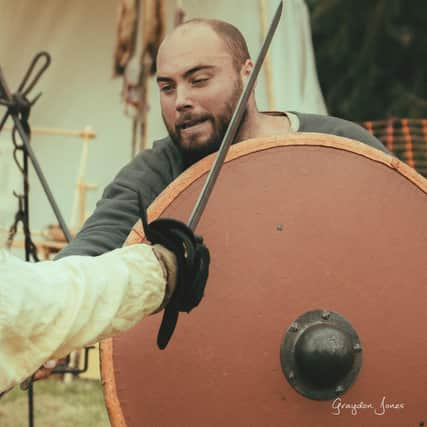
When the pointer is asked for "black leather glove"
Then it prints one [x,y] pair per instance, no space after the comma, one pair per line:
[192,264]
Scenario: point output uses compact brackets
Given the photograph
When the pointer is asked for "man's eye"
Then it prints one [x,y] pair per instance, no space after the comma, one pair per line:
[167,89]
[199,82]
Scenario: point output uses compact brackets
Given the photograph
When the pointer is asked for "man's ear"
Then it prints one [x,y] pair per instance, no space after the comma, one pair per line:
[246,70]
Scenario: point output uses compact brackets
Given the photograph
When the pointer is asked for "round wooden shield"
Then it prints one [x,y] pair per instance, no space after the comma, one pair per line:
[306,223]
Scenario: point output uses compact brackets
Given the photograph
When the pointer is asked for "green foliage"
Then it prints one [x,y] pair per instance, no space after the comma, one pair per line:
[371,57]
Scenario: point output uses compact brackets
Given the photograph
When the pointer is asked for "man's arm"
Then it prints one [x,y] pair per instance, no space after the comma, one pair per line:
[118,210]
[51,308]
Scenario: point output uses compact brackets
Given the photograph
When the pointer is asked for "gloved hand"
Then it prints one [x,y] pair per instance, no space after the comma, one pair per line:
[168,262]
[192,258]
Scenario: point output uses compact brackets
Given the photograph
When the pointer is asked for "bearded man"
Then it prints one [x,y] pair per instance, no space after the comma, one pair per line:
[202,67]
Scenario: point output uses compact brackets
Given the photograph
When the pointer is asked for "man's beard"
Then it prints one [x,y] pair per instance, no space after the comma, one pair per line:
[195,152]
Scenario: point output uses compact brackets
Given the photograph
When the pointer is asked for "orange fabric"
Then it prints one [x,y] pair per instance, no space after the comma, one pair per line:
[406,138]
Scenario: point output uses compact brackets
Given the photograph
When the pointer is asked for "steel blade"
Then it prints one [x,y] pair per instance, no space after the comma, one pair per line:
[233,125]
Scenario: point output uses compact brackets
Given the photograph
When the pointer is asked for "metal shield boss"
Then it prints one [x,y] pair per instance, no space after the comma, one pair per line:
[314,311]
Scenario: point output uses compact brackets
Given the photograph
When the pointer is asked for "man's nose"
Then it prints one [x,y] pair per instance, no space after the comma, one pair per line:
[183,99]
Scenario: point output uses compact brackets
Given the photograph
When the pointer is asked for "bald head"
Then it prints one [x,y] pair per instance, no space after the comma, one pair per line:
[233,41]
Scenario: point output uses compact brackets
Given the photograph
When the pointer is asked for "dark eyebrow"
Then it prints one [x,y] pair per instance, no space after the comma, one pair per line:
[188,73]
[198,68]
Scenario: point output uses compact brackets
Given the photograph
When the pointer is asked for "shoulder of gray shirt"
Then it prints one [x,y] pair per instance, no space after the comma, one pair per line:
[336,126]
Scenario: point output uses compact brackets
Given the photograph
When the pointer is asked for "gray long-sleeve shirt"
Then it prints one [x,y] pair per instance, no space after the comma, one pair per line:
[150,173]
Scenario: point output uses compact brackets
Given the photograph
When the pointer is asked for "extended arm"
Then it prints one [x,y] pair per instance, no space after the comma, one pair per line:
[51,308]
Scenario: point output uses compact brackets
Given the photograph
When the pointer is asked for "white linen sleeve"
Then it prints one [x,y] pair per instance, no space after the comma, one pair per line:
[51,308]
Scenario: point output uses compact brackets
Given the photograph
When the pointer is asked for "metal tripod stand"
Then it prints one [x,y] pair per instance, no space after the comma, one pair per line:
[18,108]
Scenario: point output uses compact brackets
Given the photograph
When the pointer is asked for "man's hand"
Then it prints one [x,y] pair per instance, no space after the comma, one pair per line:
[44,372]
[192,262]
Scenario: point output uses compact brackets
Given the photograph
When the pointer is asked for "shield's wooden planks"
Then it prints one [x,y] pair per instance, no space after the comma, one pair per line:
[294,224]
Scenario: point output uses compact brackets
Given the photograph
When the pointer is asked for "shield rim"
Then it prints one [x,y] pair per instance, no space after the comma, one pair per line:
[250,146]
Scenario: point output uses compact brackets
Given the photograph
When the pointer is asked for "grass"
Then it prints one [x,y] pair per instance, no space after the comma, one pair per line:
[78,404]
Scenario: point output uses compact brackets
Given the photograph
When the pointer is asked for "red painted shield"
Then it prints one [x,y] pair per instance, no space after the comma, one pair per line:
[293,225]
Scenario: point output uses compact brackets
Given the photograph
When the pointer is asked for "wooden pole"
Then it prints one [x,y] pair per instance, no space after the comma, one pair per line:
[86,133]
[142,113]
[81,188]
[179,13]
[267,63]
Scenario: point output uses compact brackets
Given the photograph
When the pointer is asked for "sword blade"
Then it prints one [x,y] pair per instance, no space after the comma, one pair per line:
[234,124]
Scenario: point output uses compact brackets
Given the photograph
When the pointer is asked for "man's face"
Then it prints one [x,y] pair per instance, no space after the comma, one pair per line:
[199,89]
